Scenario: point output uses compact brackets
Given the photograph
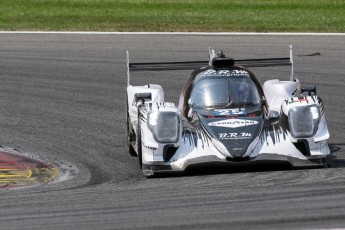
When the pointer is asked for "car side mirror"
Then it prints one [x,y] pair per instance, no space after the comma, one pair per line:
[273,117]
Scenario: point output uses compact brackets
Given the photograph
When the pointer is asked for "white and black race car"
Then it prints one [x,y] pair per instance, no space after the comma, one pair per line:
[226,117]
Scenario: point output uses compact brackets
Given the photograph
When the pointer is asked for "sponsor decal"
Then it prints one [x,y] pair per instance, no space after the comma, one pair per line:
[227,112]
[295,100]
[227,73]
[233,123]
[234,136]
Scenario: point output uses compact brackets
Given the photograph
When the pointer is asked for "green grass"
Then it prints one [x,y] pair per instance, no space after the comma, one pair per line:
[178,15]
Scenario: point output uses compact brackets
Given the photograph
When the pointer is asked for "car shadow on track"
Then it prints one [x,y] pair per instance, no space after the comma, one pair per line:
[196,170]
[336,160]
[210,169]
[335,147]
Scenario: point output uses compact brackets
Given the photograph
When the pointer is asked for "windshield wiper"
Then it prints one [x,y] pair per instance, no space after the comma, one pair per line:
[228,95]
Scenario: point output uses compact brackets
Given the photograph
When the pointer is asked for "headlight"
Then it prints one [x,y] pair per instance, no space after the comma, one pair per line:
[164,126]
[304,121]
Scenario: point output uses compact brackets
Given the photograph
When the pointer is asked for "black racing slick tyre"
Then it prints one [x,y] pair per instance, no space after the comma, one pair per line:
[130,148]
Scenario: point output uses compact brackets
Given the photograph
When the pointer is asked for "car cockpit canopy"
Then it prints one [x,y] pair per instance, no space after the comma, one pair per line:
[223,89]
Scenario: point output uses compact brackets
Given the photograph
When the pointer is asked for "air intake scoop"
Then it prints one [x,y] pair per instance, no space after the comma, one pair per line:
[219,63]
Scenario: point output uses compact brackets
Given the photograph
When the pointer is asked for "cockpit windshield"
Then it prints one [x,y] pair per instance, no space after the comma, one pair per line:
[224,91]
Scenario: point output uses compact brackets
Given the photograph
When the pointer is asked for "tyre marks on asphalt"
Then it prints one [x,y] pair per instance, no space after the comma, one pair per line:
[18,171]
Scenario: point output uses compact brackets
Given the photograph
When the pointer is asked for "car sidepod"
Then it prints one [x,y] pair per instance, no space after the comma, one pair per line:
[301,137]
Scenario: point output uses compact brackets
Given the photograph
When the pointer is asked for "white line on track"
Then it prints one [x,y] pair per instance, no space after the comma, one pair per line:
[173,33]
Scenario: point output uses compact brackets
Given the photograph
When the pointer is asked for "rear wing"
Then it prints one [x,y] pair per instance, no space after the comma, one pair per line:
[216,59]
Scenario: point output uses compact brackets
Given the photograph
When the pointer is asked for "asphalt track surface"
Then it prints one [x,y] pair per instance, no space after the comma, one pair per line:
[62,97]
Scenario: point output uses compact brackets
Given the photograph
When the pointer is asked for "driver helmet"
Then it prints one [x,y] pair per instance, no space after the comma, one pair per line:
[243,91]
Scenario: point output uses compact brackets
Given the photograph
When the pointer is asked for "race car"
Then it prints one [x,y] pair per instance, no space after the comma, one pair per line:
[224,117]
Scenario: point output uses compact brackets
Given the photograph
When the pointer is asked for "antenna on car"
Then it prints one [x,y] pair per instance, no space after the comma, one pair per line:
[211,55]
[291,61]
[127,62]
